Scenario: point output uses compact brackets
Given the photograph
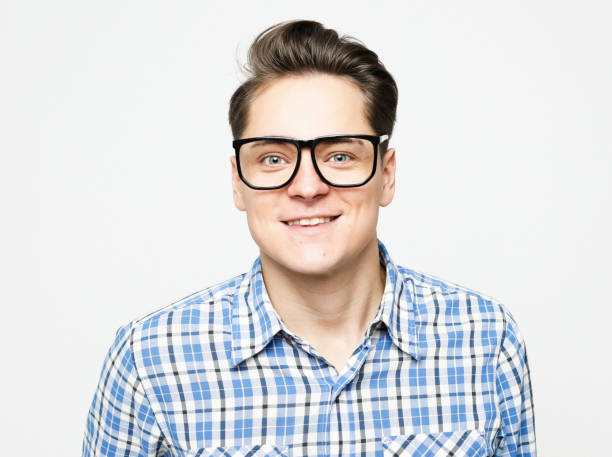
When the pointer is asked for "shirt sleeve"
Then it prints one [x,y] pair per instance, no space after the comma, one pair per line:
[517,431]
[120,420]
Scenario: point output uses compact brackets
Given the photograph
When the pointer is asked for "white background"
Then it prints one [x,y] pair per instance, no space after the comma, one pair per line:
[116,199]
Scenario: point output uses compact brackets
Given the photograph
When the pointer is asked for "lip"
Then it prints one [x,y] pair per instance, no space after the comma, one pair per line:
[312,229]
[297,218]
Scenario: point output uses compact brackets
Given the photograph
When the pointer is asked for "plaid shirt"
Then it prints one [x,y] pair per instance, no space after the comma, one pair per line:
[442,370]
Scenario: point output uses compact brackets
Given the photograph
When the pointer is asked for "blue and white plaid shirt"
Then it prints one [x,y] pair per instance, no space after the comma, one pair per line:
[442,370]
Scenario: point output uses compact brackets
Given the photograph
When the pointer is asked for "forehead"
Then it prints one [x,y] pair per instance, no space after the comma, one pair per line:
[308,106]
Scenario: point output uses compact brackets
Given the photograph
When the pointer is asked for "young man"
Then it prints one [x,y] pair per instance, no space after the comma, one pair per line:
[326,347]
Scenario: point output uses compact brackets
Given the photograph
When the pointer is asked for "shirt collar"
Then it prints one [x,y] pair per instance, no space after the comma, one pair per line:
[255,322]
[397,308]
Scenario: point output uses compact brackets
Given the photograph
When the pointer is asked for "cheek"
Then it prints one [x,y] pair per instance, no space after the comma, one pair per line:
[260,208]
[364,200]
[366,209]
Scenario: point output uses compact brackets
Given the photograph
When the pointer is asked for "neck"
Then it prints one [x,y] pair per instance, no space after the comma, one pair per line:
[331,306]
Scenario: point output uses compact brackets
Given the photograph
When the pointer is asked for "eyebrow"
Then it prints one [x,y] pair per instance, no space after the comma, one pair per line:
[267,142]
[341,140]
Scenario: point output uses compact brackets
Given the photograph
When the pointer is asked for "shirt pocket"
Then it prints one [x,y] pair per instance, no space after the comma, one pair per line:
[255,450]
[465,443]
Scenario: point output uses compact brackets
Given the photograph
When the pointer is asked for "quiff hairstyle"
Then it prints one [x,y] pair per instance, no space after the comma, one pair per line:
[301,47]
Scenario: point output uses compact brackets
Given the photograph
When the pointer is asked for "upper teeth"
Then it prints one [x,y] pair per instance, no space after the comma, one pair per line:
[313,221]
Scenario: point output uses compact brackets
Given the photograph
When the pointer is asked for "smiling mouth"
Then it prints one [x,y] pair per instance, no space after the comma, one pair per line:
[307,222]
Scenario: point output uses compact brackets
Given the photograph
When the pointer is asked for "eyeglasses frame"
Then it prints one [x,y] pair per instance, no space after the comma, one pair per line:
[376,141]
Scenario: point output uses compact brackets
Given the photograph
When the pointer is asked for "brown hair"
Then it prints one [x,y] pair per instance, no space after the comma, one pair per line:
[300,47]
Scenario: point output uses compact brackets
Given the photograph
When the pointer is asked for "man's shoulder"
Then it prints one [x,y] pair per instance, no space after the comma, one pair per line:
[444,300]
[209,306]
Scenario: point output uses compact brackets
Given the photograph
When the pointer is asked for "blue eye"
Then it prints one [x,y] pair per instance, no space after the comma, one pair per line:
[273,160]
[340,158]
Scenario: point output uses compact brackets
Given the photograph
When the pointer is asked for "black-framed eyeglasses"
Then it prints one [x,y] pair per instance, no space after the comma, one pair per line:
[271,162]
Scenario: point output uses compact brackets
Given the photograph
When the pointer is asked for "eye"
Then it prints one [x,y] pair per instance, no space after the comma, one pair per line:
[273,160]
[340,158]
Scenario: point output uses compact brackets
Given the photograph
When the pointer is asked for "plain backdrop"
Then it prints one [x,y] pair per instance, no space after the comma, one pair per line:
[116,197]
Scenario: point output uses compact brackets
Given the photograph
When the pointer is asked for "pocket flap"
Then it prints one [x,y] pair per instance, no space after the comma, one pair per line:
[467,443]
[256,450]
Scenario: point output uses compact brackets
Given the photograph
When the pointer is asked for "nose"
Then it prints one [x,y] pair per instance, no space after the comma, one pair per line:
[307,183]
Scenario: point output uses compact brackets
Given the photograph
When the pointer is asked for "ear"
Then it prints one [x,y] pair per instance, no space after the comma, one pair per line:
[388,177]
[237,186]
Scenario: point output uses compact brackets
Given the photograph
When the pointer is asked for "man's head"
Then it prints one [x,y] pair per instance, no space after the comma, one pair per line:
[307,82]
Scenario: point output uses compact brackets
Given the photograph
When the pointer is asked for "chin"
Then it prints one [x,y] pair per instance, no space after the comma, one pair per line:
[311,268]
[306,260]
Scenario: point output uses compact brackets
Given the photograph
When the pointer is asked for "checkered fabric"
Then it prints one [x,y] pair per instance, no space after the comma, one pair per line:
[441,371]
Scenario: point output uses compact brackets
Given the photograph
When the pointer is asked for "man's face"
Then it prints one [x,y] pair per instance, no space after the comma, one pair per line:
[305,107]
